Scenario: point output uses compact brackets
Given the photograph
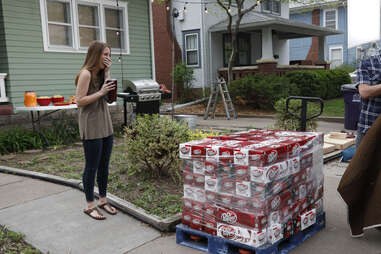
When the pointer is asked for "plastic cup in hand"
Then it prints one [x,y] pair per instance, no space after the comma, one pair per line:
[112,94]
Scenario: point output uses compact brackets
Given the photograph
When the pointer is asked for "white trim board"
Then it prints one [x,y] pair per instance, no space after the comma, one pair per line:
[101,4]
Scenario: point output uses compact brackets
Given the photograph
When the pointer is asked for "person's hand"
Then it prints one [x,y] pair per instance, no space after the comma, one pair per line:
[107,63]
[106,87]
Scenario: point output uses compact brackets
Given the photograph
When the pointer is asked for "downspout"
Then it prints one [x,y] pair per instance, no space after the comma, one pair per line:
[204,67]
[152,40]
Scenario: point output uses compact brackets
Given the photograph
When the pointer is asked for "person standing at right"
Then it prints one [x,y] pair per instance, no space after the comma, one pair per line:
[369,87]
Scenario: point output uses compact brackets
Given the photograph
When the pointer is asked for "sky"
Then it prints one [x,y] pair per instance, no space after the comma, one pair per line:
[363,21]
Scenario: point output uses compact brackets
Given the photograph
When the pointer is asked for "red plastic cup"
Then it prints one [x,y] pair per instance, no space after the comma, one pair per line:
[112,94]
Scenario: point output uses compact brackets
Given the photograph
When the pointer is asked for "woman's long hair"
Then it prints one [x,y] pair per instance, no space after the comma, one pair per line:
[93,57]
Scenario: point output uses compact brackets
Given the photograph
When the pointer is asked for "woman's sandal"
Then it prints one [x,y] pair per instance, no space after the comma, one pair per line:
[108,209]
[99,216]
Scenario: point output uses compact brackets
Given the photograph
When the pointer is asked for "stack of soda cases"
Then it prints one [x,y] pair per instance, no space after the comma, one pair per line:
[254,187]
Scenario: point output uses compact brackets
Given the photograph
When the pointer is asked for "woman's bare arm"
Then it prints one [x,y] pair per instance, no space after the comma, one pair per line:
[82,99]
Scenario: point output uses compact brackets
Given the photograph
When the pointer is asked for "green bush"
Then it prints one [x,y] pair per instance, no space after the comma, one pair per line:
[261,91]
[183,77]
[286,121]
[19,139]
[309,83]
[152,146]
[324,84]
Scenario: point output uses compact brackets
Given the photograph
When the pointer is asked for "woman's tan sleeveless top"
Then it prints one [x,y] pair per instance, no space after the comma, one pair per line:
[94,119]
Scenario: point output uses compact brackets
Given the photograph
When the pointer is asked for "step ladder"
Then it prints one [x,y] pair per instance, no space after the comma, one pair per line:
[217,88]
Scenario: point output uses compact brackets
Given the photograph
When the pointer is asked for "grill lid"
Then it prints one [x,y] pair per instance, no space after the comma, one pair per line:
[141,86]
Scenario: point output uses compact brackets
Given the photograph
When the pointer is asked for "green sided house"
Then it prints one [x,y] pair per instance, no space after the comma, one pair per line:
[43,44]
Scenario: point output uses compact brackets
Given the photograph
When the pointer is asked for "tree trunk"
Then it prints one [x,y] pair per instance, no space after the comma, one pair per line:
[232,57]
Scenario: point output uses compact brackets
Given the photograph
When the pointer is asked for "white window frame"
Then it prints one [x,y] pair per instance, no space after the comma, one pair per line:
[186,50]
[102,4]
[336,17]
[271,11]
[336,47]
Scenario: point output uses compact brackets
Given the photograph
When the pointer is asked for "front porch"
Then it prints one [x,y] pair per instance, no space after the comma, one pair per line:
[263,46]
[269,68]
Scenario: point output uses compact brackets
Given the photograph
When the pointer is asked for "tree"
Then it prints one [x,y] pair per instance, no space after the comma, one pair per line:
[227,5]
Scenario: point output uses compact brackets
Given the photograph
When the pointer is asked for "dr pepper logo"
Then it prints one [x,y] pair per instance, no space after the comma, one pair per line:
[185,150]
[226,231]
[229,217]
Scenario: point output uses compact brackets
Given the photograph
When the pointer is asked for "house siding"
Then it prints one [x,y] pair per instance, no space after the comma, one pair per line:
[50,73]
[299,48]
[339,39]
[3,46]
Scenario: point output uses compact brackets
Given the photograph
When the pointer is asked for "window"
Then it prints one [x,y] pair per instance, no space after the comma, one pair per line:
[88,23]
[70,25]
[243,56]
[336,56]
[330,18]
[271,6]
[60,23]
[191,48]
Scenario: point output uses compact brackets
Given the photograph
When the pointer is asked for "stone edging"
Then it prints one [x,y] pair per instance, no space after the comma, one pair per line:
[320,118]
[167,224]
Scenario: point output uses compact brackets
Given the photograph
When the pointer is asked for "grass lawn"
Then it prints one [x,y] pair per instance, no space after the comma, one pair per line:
[334,107]
[13,242]
[161,197]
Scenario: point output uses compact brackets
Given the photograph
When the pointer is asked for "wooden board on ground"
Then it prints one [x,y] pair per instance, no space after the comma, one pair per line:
[328,148]
[340,144]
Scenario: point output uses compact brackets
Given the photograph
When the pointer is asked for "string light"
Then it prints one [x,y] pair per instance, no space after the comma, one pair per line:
[185,7]
[167,7]
[206,9]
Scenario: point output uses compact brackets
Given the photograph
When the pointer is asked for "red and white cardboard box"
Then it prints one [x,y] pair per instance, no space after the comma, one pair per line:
[186,218]
[196,222]
[242,172]
[211,167]
[279,201]
[242,188]
[294,165]
[189,192]
[211,196]
[275,217]
[185,151]
[199,180]
[264,174]
[188,178]
[226,185]
[211,183]
[198,166]
[210,226]
[243,235]
[241,156]
[187,205]
[274,233]
[307,219]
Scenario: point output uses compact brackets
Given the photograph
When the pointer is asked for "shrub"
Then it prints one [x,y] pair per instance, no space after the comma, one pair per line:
[19,139]
[308,83]
[286,121]
[183,77]
[152,146]
[261,91]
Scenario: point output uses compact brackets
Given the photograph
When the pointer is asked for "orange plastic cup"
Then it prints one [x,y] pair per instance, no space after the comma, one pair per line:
[30,99]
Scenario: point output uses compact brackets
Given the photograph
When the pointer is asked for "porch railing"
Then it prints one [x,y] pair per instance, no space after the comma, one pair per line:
[3,95]
[279,70]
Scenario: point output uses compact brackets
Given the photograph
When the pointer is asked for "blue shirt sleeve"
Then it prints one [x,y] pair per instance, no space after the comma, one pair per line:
[363,73]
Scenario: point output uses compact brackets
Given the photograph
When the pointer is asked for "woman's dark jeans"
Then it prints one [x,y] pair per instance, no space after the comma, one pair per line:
[97,155]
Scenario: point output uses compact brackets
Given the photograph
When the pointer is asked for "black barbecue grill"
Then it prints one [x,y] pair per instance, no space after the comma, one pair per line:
[145,94]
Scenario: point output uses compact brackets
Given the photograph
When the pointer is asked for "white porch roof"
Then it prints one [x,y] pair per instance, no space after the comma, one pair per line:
[285,28]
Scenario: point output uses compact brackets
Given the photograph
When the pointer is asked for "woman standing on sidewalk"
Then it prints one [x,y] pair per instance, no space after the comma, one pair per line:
[95,125]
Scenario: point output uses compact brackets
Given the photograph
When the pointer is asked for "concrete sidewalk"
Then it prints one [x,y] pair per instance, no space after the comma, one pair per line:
[51,217]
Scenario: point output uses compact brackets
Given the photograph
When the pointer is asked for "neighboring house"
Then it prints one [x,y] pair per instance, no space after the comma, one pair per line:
[44,42]
[201,31]
[328,13]
[332,14]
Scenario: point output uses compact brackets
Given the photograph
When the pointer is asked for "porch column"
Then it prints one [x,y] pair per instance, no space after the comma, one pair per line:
[267,44]
[322,53]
